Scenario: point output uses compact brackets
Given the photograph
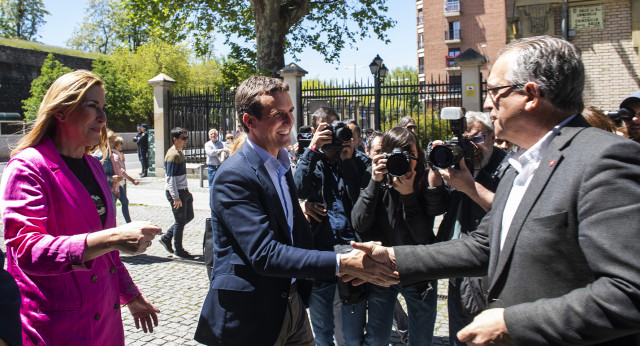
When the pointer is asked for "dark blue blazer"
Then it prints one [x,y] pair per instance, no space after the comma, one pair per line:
[10,325]
[254,259]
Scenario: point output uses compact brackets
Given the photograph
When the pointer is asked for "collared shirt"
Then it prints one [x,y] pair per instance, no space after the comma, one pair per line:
[525,162]
[213,151]
[277,168]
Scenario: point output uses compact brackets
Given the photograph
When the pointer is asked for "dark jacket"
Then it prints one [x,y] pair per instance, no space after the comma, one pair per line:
[336,185]
[470,213]
[568,272]
[10,325]
[254,258]
[382,214]
[142,139]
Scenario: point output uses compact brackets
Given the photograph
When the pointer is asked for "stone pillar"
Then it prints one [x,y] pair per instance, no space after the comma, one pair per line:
[161,85]
[292,75]
[470,62]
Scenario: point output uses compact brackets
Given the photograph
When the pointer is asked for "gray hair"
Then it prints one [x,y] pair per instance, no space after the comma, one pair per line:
[322,114]
[479,117]
[552,63]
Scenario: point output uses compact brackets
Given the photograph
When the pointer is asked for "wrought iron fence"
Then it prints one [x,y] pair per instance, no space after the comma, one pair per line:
[402,96]
[200,111]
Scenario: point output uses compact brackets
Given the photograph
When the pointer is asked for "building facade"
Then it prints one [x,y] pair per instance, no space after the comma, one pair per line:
[606,31]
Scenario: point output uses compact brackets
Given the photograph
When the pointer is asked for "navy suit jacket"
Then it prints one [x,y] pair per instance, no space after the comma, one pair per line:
[568,273]
[254,259]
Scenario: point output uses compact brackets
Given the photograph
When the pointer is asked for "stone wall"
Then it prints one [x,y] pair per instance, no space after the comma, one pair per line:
[19,67]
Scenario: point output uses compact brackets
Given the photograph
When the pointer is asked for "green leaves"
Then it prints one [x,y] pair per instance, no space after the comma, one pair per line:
[21,18]
[51,70]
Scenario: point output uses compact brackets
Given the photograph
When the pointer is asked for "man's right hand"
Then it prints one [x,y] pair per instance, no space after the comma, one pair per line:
[313,210]
[363,268]
[320,137]
[384,256]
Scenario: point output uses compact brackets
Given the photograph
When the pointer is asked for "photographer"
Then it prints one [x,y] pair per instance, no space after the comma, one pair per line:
[400,211]
[470,197]
[632,123]
[327,177]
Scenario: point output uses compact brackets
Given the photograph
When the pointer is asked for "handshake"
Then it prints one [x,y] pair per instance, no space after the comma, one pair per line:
[369,262]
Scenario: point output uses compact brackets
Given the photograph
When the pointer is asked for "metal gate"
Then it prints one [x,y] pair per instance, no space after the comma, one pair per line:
[200,111]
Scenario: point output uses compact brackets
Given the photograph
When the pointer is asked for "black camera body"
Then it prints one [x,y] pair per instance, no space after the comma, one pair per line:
[398,162]
[452,151]
[340,133]
[620,115]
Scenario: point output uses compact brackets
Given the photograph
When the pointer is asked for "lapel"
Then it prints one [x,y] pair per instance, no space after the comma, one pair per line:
[548,165]
[76,194]
[275,205]
[499,205]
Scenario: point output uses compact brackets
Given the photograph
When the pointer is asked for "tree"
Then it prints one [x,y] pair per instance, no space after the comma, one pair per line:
[277,26]
[118,94]
[51,70]
[105,27]
[21,18]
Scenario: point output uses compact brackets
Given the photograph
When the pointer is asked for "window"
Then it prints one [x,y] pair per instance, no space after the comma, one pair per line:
[421,65]
[420,41]
[452,6]
[454,31]
[419,17]
[453,53]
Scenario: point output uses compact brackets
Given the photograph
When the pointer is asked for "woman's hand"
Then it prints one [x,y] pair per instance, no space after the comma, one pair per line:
[135,237]
[378,167]
[143,312]
[404,184]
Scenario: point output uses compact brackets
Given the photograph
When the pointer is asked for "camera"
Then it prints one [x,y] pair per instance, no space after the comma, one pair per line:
[398,162]
[304,138]
[620,115]
[340,133]
[452,151]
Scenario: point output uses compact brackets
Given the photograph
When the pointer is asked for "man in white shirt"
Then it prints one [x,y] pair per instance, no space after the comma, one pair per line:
[214,149]
[560,243]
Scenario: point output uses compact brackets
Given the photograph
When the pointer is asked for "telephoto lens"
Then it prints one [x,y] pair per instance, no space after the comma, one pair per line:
[445,155]
[398,162]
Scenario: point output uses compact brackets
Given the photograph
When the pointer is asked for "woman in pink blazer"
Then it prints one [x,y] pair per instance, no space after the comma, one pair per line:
[59,225]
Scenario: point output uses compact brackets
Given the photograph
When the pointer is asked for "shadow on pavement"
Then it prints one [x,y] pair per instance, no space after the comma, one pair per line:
[147,259]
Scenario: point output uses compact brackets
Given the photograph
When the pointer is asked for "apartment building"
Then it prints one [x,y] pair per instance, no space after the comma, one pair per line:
[606,31]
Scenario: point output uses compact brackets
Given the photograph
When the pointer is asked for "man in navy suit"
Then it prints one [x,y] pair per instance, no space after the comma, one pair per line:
[262,262]
[560,242]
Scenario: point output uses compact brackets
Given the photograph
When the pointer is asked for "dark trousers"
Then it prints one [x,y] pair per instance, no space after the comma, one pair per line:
[143,156]
[182,216]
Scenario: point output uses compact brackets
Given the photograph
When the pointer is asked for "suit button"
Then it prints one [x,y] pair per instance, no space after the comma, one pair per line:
[116,306]
[94,278]
[112,270]
[97,317]
[284,295]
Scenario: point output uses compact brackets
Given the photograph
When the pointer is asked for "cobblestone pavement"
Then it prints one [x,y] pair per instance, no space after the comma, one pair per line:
[178,287]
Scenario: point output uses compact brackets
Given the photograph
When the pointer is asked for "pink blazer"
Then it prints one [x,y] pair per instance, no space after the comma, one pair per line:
[47,214]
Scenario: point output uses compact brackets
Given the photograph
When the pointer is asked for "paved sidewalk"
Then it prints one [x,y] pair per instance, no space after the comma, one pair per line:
[178,287]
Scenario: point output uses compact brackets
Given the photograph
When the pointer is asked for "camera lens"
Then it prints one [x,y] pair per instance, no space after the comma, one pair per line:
[445,156]
[398,163]
[343,134]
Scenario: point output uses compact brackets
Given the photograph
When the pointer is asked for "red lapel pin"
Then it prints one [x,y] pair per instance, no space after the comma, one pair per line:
[552,163]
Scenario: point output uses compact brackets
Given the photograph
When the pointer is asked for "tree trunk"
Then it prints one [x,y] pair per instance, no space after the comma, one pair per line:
[273,19]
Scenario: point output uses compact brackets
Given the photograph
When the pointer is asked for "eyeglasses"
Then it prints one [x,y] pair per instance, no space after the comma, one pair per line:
[412,127]
[184,138]
[494,89]
[477,139]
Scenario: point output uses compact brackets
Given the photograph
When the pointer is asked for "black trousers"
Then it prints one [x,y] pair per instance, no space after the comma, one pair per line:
[143,156]
[182,216]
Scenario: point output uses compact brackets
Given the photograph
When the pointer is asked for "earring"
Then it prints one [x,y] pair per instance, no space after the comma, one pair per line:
[62,118]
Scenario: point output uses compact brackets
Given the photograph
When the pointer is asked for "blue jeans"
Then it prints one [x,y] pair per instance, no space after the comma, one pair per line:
[422,313]
[456,320]
[211,172]
[321,314]
[124,201]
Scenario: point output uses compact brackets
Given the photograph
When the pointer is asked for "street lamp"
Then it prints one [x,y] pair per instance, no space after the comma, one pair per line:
[379,72]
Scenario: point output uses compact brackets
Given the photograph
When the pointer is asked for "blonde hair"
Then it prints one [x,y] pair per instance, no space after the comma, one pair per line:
[118,141]
[238,142]
[63,96]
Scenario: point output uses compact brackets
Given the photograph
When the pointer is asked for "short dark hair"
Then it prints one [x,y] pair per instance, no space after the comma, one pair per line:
[357,129]
[373,135]
[249,92]
[404,121]
[322,114]
[177,131]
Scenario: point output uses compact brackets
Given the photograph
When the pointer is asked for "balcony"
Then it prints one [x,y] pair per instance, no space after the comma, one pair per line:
[451,36]
[451,8]
[450,64]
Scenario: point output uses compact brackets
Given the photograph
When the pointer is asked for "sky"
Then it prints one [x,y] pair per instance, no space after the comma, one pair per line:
[66,15]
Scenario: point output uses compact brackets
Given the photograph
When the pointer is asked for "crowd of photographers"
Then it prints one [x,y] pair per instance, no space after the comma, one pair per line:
[384,188]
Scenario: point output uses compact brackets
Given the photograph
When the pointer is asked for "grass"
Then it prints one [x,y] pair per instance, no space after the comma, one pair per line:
[45,48]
